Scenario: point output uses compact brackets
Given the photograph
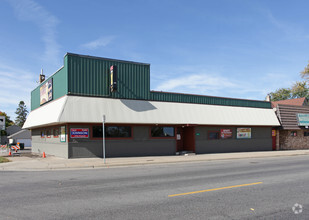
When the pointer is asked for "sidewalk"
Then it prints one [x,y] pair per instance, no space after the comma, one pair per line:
[26,163]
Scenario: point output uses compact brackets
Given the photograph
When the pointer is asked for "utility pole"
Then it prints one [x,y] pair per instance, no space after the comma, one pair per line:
[104,139]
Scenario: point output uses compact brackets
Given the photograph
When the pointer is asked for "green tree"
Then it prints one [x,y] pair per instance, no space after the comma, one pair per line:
[21,113]
[300,89]
[281,94]
[8,121]
[305,73]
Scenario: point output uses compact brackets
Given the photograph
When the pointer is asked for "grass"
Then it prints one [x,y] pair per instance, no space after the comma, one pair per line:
[3,160]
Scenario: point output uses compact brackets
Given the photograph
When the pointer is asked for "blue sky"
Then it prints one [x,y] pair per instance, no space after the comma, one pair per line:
[239,48]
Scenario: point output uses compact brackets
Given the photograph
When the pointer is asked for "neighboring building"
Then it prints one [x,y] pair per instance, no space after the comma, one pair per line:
[12,129]
[68,108]
[9,131]
[22,136]
[296,102]
[293,133]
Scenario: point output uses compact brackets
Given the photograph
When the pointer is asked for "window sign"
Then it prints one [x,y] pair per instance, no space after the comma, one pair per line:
[226,133]
[62,134]
[79,133]
[243,133]
[303,119]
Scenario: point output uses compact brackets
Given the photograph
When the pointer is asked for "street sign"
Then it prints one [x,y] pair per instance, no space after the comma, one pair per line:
[2,122]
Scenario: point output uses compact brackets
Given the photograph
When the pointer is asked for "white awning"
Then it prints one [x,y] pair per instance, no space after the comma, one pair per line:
[78,109]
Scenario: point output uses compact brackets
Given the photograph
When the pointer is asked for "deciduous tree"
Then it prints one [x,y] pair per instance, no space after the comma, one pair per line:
[8,121]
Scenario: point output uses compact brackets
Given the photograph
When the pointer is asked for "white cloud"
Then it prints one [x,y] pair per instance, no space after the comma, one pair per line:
[292,31]
[28,10]
[216,84]
[100,42]
[197,83]
[15,87]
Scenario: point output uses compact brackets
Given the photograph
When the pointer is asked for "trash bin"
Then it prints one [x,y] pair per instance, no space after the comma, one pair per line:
[22,146]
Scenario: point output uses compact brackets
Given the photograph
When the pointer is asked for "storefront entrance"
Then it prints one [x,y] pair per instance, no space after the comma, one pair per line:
[186,139]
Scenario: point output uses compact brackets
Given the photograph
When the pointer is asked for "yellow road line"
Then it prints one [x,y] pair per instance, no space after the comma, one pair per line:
[208,190]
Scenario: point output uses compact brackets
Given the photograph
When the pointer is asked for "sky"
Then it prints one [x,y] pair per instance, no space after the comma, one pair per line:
[238,49]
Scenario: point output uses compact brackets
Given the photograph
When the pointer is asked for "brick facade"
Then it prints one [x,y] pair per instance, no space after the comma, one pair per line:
[288,142]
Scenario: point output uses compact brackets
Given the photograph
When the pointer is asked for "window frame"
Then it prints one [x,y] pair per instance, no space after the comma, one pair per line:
[293,134]
[43,134]
[214,131]
[48,133]
[162,137]
[55,129]
[110,138]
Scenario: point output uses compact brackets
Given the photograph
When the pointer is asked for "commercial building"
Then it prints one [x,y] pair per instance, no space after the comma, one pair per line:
[293,114]
[67,112]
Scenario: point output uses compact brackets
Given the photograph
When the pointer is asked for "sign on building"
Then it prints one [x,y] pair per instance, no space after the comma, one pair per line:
[303,119]
[114,74]
[79,133]
[226,133]
[46,92]
[2,122]
[62,133]
[243,133]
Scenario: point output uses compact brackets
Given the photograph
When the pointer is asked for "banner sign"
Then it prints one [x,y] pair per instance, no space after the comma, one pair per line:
[243,133]
[113,85]
[62,134]
[79,133]
[226,133]
[46,92]
[303,119]
[273,133]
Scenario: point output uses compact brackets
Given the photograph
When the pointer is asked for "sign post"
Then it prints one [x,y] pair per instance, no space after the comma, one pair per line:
[104,139]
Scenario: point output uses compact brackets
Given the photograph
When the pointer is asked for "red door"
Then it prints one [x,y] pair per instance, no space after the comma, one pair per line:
[189,139]
[273,136]
[186,139]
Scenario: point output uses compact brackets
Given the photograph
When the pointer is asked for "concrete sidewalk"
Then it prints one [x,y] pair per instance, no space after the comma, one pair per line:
[27,163]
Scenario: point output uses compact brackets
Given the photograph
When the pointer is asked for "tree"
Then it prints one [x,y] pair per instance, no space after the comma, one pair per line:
[21,113]
[305,73]
[281,94]
[300,89]
[8,121]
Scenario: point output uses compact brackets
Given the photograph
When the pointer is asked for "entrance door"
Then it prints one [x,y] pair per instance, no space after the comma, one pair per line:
[273,134]
[185,139]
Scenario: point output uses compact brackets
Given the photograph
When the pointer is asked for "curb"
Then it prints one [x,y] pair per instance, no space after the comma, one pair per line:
[49,166]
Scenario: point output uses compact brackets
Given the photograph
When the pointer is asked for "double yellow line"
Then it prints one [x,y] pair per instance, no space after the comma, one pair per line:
[209,190]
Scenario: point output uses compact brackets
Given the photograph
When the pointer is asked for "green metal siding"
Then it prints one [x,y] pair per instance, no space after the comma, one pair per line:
[60,87]
[35,98]
[174,97]
[90,76]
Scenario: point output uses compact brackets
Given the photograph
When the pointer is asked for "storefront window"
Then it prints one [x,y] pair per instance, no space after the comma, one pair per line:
[306,133]
[48,133]
[56,133]
[112,131]
[162,131]
[212,135]
[293,133]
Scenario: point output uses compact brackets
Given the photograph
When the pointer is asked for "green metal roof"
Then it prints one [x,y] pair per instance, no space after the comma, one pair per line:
[90,76]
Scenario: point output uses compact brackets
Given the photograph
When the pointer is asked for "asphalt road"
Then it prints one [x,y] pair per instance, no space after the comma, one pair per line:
[146,192]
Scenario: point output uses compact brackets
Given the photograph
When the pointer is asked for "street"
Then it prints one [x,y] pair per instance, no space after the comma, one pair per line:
[257,188]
